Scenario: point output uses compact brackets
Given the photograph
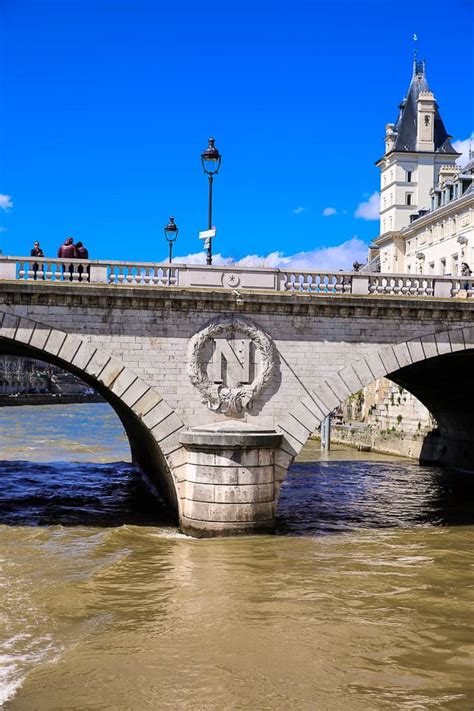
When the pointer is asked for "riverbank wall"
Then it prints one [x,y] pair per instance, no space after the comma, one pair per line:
[363,438]
[48,399]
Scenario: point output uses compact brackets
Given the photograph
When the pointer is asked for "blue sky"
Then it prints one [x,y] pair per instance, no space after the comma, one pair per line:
[107,105]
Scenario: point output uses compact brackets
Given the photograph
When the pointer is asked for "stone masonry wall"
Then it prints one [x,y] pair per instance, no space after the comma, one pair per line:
[149,331]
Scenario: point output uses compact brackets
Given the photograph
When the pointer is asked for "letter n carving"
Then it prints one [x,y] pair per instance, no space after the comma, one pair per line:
[237,367]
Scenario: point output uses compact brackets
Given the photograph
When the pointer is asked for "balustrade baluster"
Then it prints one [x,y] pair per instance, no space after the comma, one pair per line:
[75,272]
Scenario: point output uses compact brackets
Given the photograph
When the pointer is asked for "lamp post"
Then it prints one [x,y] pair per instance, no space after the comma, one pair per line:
[211,162]
[171,232]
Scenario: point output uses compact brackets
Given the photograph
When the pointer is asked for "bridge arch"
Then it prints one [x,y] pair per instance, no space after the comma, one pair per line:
[151,425]
[435,368]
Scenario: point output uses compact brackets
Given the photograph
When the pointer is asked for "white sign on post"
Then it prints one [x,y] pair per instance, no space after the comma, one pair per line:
[207,235]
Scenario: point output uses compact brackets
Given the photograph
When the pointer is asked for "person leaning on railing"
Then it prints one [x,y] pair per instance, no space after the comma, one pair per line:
[36,252]
[67,251]
[83,253]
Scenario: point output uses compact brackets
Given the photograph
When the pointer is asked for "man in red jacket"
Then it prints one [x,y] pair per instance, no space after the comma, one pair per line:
[67,251]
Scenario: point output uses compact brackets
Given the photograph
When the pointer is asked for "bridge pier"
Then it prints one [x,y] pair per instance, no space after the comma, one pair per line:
[230,486]
[452,451]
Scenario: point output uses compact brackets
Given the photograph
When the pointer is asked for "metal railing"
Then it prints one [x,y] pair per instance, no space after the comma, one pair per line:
[141,274]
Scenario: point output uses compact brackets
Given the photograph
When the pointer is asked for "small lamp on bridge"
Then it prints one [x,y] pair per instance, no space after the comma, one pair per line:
[171,232]
[211,162]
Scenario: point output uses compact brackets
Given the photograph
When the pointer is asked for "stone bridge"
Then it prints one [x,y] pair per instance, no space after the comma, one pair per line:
[219,376]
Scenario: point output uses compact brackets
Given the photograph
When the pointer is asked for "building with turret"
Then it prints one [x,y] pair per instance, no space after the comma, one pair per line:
[426,227]
[426,198]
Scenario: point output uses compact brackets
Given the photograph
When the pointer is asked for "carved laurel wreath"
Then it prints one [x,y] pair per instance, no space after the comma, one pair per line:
[230,401]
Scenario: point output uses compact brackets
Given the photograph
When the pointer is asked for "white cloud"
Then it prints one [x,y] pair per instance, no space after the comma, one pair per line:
[298,210]
[328,211]
[200,258]
[463,147]
[324,258]
[369,210]
[5,202]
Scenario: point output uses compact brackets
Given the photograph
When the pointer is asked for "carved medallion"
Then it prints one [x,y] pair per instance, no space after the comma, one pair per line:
[229,371]
[230,280]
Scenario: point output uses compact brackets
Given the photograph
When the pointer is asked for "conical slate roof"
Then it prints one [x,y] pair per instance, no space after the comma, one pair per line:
[406,126]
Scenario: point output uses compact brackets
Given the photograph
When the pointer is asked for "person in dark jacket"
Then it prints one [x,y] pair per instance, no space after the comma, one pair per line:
[67,251]
[82,253]
[36,252]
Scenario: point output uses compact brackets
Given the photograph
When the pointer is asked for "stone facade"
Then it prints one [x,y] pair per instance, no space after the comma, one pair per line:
[426,199]
[426,203]
[439,241]
[417,146]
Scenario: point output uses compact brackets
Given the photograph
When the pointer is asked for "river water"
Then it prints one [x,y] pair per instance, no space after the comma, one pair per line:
[363,600]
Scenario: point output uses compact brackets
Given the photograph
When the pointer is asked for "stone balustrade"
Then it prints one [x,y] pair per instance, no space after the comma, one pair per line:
[59,271]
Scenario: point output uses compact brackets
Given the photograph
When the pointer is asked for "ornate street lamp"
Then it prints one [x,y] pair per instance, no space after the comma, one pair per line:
[171,232]
[211,162]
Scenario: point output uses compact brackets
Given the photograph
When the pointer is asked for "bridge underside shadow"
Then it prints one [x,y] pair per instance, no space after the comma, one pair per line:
[145,452]
[445,385]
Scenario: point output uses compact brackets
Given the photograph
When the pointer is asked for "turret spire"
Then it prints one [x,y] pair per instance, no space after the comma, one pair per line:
[418,67]
[405,131]
[415,53]
[416,145]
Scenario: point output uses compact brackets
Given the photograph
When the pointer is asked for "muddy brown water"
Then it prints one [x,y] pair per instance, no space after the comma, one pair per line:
[363,599]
